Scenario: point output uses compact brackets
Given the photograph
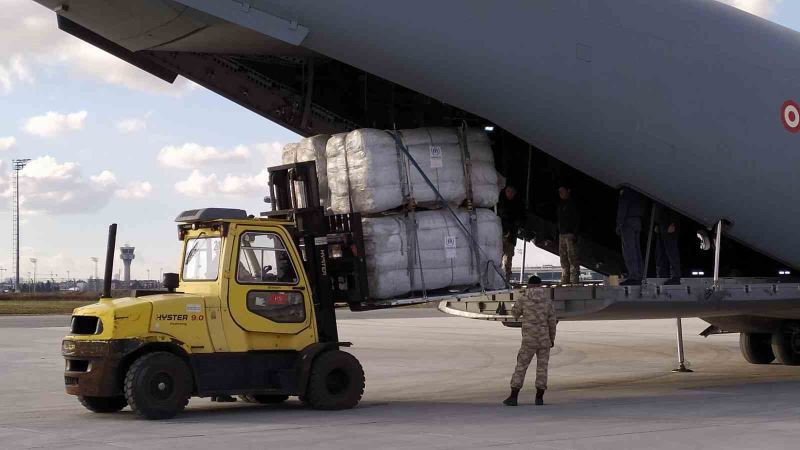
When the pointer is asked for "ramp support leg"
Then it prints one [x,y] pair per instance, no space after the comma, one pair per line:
[717,245]
[681,356]
[649,244]
[522,279]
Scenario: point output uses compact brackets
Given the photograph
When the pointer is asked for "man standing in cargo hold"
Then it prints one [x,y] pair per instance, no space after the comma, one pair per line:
[511,212]
[568,223]
[668,258]
[629,228]
[538,337]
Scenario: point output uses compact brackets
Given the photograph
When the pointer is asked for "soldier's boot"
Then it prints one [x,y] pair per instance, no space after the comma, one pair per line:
[539,397]
[512,399]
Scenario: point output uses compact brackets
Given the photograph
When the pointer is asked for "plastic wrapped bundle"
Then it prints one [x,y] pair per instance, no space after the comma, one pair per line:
[438,255]
[311,149]
[367,173]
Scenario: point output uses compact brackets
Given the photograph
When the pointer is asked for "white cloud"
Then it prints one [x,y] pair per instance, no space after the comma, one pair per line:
[133,125]
[48,186]
[197,184]
[7,142]
[104,178]
[241,185]
[192,156]
[763,8]
[31,40]
[13,70]
[272,151]
[135,190]
[202,185]
[86,59]
[52,123]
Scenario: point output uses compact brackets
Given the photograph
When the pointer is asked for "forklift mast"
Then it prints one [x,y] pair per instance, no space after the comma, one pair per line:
[332,246]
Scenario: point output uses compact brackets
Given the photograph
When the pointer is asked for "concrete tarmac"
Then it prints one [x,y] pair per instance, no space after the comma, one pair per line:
[436,382]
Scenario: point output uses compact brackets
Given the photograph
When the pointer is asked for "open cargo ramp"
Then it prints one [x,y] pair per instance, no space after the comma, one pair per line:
[694,298]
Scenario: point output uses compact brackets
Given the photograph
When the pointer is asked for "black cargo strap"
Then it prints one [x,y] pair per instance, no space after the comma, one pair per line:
[473,218]
[412,238]
[473,243]
[347,172]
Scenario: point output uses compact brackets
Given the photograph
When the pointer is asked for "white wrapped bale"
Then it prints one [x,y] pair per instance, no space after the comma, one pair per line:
[363,168]
[311,149]
[367,173]
[441,256]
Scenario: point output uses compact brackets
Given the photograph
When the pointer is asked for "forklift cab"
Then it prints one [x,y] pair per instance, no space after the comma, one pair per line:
[250,268]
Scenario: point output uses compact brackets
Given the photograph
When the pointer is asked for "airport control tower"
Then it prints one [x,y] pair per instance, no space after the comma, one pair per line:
[126,255]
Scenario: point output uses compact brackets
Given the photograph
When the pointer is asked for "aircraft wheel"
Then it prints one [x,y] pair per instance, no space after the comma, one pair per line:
[786,344]
[756,347]
[103,405]
[336,381]
[158,385]
[264,399]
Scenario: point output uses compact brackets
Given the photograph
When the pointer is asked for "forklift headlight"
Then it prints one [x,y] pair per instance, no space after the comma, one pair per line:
[67,347]
[335,251]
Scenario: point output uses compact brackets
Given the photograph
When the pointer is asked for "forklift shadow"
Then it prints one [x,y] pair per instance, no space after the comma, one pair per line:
[559,405]
[201,409]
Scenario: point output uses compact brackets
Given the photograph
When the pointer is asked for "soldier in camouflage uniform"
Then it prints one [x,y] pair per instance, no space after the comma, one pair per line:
[538,336]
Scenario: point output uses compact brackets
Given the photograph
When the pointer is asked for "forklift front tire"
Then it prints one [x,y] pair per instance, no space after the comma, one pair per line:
[103,405]
[336,381]
[158,385]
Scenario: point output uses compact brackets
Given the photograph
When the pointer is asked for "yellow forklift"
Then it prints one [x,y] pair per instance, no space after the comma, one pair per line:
[250,314]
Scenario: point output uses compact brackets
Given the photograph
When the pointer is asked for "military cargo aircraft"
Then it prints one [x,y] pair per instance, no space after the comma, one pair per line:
[692,103]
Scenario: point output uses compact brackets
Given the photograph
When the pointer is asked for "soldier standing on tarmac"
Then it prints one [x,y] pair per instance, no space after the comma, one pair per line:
[538,337]
[511,212]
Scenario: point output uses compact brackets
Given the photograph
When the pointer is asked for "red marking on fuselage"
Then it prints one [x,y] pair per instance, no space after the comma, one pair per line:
[790,116]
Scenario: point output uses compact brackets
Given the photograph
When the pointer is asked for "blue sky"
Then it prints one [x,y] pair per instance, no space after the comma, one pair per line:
[121,146]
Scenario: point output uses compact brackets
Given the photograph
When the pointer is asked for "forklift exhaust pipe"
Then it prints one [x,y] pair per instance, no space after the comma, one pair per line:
[112,242]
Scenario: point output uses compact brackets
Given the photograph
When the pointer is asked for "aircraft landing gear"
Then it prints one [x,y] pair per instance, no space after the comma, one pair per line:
[786,343]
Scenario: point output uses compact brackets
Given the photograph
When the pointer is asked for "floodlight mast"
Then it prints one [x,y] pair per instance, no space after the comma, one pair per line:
[16,166]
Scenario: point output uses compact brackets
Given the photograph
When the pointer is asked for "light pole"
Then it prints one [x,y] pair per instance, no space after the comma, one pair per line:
[16,166]
[2,270]
[34,260]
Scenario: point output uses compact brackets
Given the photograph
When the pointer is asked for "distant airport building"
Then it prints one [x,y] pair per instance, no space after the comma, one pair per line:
[127,256]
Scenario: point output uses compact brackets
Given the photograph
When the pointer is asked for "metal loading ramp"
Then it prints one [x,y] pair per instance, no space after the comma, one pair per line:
[697,297]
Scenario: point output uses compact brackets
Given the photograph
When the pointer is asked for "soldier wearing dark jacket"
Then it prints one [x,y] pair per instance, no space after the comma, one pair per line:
[629,228]
[568,224]
[512,213]
[668,257]
[538,336]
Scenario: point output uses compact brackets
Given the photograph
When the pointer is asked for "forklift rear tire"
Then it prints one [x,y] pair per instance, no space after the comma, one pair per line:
[264,399]
[756,347]
[336,381]
[786,344]
[103,405]
[158,385]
